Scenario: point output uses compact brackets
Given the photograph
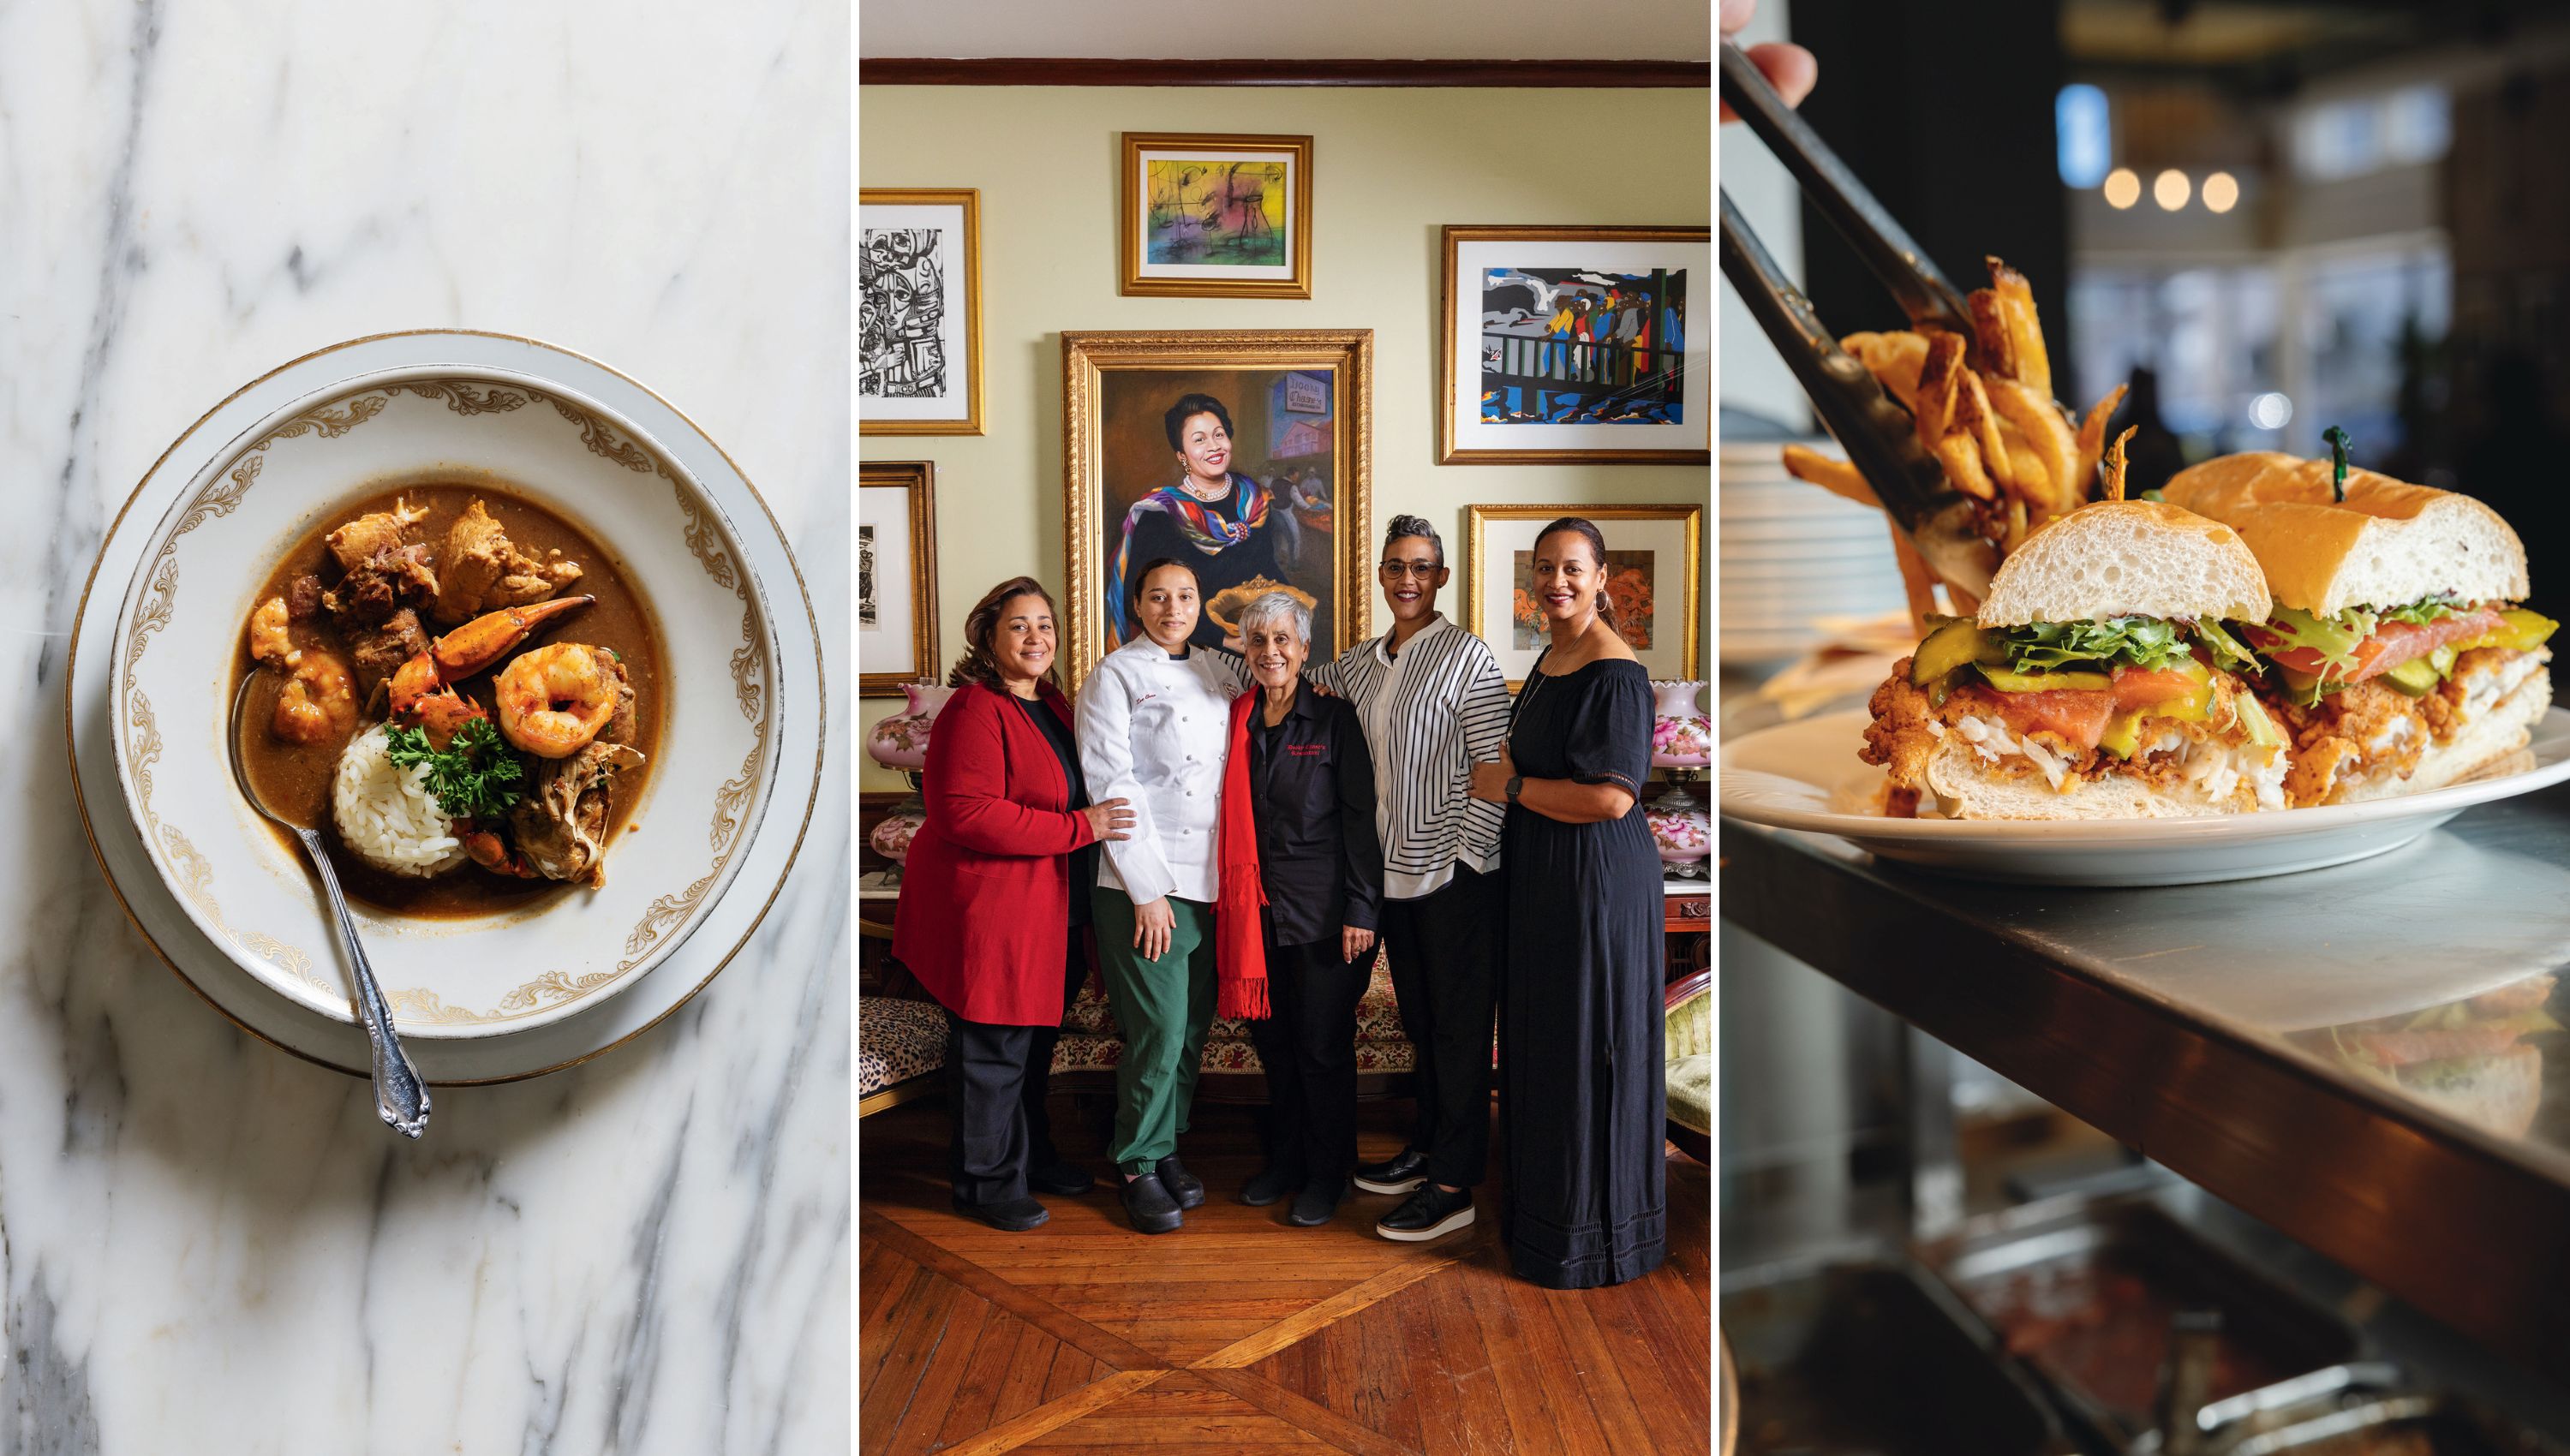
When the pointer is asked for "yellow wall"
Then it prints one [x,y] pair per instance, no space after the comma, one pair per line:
[1390,168]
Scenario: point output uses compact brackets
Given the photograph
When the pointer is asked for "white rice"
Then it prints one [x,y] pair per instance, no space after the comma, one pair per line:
[386,814]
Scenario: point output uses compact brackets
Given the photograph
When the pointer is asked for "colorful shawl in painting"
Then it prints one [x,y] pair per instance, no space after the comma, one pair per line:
[1204,530]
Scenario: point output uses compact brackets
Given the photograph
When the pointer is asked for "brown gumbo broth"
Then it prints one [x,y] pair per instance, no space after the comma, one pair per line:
[296,779]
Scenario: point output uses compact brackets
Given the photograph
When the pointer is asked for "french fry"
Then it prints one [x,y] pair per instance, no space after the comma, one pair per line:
[2048,435]
[1835,476]
[1915,579]
[1894,358]
[2092,433]
[1990,331]
[2114,462]
[1940,379]
[1972,417]
[2030,364]
[2015,525]
[1963,462]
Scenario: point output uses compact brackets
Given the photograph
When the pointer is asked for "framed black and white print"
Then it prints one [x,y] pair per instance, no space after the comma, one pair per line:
[896,574]
[919,311]
[1577,346]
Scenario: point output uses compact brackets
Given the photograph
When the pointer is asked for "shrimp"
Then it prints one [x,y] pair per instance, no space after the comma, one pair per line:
[319,703]
[270,643]
[555,699]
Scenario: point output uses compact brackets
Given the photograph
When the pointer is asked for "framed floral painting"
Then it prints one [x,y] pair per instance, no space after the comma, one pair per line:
[1654,571]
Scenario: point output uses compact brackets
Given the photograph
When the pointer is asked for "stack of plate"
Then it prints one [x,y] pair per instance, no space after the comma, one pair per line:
[1792,553]
[230,904]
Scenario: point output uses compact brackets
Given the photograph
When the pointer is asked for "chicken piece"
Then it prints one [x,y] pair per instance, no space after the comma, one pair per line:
[353,543]
[380,649]
[561,826]
[270,643]
[484,570]
[390,580]
[619,722]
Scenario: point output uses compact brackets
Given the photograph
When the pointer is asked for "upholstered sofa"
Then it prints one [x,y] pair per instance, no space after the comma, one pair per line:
[1091,1043]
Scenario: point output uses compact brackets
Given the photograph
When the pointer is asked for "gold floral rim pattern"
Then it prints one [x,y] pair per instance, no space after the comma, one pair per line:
[144,743]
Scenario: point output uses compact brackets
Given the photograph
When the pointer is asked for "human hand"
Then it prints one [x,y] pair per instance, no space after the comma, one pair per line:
[1788,68]
[1490,780]
[1153,923]
[1112,820]
[1354,943]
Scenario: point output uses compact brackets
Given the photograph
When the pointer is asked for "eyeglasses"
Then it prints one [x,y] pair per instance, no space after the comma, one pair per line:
[1397,570]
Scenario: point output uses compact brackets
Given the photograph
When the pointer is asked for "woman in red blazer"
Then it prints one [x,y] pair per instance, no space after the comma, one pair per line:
[990,917]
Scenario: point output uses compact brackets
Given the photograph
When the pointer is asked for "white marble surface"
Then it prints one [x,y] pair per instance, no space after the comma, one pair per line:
[207,1244]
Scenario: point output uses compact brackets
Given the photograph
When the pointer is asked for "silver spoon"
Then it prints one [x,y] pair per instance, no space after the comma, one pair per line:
[401,1098]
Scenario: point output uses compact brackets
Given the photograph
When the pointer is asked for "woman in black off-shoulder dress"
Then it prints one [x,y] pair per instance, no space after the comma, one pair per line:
[1581,1089]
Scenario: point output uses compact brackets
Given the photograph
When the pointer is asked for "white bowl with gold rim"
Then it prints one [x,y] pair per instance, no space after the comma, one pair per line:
[179,632]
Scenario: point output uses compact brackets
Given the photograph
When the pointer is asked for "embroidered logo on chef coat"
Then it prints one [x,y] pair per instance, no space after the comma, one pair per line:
[1307,750]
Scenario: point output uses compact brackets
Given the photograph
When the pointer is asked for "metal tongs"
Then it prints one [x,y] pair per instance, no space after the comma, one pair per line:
[1878,434]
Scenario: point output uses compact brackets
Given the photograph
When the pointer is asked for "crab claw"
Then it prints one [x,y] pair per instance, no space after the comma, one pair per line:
[489,637]
[441,713]
[487,850]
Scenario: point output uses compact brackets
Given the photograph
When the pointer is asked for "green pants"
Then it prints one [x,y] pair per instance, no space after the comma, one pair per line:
[1165,1006]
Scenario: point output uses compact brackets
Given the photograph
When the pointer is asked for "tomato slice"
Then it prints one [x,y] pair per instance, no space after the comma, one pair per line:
[2391,644]
[2077,715]
[2137,687]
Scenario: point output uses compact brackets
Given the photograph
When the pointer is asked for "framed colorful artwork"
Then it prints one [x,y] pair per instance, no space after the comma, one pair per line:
[896,574]
[1654,575]
[919,311]
[1243,453]
[1576,345]
[1216,216]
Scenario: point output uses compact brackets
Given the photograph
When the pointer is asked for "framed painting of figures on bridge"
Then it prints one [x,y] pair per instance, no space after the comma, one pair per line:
[1216,216]
[1576,345]
[919,311]
[1242,452]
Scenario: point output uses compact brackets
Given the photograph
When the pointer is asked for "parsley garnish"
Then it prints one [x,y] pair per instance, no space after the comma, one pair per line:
[475,776]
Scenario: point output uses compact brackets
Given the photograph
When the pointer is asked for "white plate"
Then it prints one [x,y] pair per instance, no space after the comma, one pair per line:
[180,629]
[734,520]
[1806,776]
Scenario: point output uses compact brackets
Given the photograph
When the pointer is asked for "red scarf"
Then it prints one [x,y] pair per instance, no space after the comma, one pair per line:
[1239,949]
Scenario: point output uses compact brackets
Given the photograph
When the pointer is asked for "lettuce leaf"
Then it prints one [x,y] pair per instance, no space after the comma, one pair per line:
[2143,642]
[2333,638]
[2423,611]
[2229,653]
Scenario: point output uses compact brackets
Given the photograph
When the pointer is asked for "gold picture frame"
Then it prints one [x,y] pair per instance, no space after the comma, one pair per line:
[1117,387]
[1623,367]
[952,411]
[1495,535]
[915,559]
[1203,204]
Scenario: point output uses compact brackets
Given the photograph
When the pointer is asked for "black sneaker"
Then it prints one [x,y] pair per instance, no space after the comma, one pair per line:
[1067,1178]
[1318,1201]
[1278,1180]
[1401,1174]
[1183,1186]
[1009,1216]
[1431,1213]
[1149,1205]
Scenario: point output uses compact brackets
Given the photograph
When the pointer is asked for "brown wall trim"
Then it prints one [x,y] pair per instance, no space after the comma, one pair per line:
[1045,70]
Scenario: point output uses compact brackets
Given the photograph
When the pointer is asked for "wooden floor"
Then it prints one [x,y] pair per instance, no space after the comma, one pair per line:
[1241,1335]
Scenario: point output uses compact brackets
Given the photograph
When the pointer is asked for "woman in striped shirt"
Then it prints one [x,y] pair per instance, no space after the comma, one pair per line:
[1434,703]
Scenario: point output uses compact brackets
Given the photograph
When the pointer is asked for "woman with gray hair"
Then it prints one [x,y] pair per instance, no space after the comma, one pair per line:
[1311,784]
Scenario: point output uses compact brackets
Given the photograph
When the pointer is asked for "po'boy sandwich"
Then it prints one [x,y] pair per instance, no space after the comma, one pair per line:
[2391,653]
[2095,681]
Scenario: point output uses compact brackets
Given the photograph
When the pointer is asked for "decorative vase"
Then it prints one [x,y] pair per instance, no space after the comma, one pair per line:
[1682,830]
[1681,731]
[894,832]
[901,741]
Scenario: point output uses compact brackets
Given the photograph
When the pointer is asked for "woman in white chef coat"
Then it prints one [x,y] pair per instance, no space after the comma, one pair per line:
[1154,728]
